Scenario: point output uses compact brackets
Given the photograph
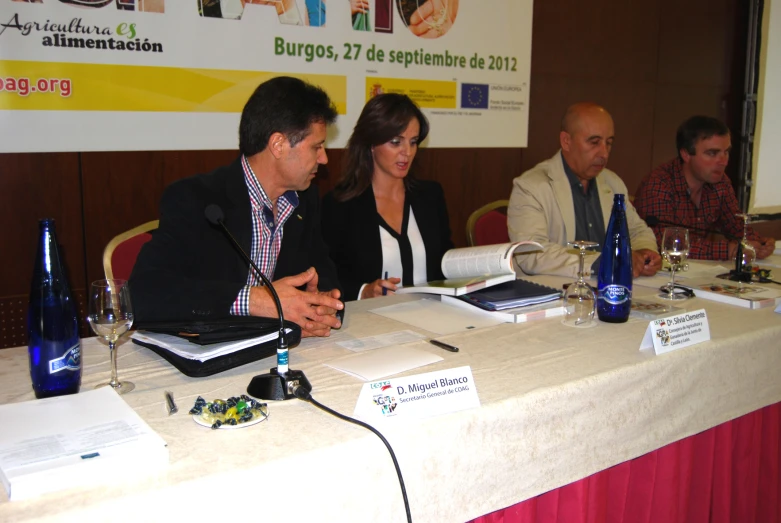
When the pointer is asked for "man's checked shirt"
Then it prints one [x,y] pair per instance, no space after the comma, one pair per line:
[665,194]
[266,235]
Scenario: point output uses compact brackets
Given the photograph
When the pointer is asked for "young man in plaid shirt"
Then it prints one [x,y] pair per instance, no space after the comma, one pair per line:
[693,191]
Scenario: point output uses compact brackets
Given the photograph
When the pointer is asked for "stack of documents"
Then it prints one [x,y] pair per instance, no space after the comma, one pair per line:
[548,309]
[511,295]
[89,438]
[191,351]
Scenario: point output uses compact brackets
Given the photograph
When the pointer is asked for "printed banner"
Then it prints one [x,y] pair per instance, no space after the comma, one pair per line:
[88,75]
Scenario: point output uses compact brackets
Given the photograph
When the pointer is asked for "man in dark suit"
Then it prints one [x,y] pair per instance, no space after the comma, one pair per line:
[190,270]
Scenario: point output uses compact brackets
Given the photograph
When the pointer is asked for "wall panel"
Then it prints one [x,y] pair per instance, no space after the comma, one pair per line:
[123,189]
[601,39]
[695,44]
[630,103]
[675,103]
[35,186]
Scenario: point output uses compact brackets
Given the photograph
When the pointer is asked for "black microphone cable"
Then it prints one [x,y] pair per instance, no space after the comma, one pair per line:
[303,394]
[764,277]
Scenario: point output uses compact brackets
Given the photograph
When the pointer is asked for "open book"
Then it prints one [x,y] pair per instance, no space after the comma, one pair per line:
[470,269]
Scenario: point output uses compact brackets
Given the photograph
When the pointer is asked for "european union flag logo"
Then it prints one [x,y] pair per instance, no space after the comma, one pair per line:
[474,96]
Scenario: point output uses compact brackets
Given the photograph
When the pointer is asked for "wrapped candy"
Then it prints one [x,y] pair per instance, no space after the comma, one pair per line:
[233,411]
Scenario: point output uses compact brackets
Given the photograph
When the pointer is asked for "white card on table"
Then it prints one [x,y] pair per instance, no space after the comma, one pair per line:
[676,332]
[417,397]
[387,361]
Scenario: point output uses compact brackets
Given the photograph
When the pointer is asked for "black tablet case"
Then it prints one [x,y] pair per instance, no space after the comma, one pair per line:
[216,331]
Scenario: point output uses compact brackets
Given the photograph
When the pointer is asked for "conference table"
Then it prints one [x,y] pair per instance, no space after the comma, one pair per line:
[573,425]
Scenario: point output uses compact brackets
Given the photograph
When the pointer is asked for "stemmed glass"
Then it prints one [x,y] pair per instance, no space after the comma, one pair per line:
[675,249]
[110,316]
[580,299]
[749,253]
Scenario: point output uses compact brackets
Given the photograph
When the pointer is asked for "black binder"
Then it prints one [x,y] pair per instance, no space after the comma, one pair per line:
[218,331]
[511,294]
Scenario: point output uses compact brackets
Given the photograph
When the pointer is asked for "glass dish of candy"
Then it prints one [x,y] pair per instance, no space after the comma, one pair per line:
[232,413]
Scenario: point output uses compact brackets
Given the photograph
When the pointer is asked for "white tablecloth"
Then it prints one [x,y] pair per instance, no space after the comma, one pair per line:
[558,404]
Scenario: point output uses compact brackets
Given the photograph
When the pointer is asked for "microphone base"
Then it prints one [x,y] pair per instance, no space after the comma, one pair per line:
[742,276]
[275,386]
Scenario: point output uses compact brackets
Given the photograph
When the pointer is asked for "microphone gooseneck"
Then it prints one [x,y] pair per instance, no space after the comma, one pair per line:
[215,216]
[653,221]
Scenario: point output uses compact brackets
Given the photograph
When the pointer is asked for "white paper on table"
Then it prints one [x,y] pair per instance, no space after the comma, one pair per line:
[387,361]
[82,439]
[381,340]
[316,349]
[700,270]
[435,316]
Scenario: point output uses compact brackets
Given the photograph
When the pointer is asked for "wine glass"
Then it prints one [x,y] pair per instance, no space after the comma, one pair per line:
[580,300]
[110,316]
[675,249]
[749,253]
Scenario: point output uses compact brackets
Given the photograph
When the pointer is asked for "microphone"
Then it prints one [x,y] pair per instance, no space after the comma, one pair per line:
[281,381]
[736,274]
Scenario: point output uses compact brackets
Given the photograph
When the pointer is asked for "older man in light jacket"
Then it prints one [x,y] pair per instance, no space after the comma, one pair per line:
[570,197]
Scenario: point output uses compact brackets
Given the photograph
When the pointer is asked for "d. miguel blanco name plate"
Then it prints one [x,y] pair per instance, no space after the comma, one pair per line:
[419,396]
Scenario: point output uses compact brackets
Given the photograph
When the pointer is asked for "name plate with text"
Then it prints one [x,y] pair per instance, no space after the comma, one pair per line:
[676,332]
[419,396]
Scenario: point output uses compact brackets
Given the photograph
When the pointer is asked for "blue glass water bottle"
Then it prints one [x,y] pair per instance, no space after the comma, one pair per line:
[615,268]
[54,346]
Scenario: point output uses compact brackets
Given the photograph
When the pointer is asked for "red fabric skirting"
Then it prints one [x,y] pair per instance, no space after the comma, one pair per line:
[729,473]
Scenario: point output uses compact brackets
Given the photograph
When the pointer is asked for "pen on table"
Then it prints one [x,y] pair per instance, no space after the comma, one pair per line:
[443,345]
[169,402]
[384,290]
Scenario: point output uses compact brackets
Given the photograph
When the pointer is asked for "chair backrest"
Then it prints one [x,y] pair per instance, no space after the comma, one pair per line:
[488,224]
[120,254]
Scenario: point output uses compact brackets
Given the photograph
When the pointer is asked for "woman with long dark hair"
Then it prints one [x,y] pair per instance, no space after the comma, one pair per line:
[383,226]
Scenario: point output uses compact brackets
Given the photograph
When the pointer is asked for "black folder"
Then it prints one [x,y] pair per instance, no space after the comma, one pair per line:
[511,294]
[218,331]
